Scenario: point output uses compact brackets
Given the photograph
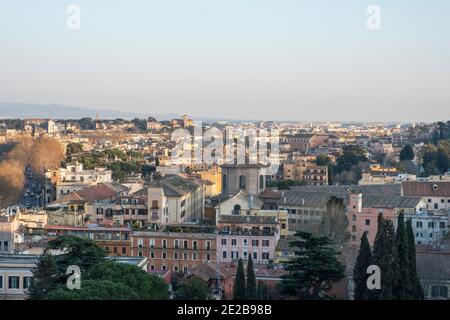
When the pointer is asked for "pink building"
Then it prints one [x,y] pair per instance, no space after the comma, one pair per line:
[365,219]
[241,236]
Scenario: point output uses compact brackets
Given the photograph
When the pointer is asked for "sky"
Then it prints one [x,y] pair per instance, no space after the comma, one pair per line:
[240,59]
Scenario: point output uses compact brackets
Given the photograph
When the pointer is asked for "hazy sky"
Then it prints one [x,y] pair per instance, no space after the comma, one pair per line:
[255,59]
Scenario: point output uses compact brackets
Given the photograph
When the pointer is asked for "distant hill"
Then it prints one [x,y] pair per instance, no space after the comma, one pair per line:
[10,110]
[57,111]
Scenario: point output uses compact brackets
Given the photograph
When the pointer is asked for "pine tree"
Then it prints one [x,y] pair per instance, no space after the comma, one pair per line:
[402,289]
[239,283]
[416,287]
[251,280]
[45,277]
[360,275]
[314,269]
[384,256]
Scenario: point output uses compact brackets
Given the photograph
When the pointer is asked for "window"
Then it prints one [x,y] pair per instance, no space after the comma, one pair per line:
[431,225]
[436,206]
[242,182]
[175,255]
[255,243]
[140,242]
[194,256]
[261,182]
[265,243]
[139,253]
[26,282]
[245,254]
[164,255]
[13,282]
[208,245]
[185,269]
[255,255]
[164,243]
[265,256]
[442,225]
[175,268]
[234,255]
[5,245]
[194,245]
[152,267]
[429,200]
[124,250]
[115,250]
[185,256]
[234,242]
[224,254]
[353,228]
[152,243]
[176,244]
[245,242]
[185,244]
[236,209]
[367,222]
[224,241]
[419,224]
[354,217]
[152,254]
[208,256]
[164,267]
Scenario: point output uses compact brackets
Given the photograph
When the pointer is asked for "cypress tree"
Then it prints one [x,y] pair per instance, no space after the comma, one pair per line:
[239,282]
[251,280]
[384,256]
[416,287]
[403,288]
[360,275]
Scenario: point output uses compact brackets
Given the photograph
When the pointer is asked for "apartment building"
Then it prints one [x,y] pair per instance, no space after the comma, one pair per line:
[176,199]
[302,170]
[116,240]
[16,275]
[435,193]
[240,236]
[176,248]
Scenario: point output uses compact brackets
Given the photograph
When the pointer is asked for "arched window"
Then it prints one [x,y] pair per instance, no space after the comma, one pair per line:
[261,182]
[237,209]
[354,228]
[242,182]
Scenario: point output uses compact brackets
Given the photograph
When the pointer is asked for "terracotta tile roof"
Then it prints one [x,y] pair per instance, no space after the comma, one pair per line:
[426,188]
[99,191]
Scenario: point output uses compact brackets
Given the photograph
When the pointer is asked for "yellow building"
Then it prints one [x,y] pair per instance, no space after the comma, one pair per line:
[214,178]
[72,213]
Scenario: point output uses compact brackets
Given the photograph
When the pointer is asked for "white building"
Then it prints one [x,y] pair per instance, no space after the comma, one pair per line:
[429,227]
[435,193]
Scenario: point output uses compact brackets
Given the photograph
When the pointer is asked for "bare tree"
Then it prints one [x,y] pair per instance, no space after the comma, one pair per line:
[335,222]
